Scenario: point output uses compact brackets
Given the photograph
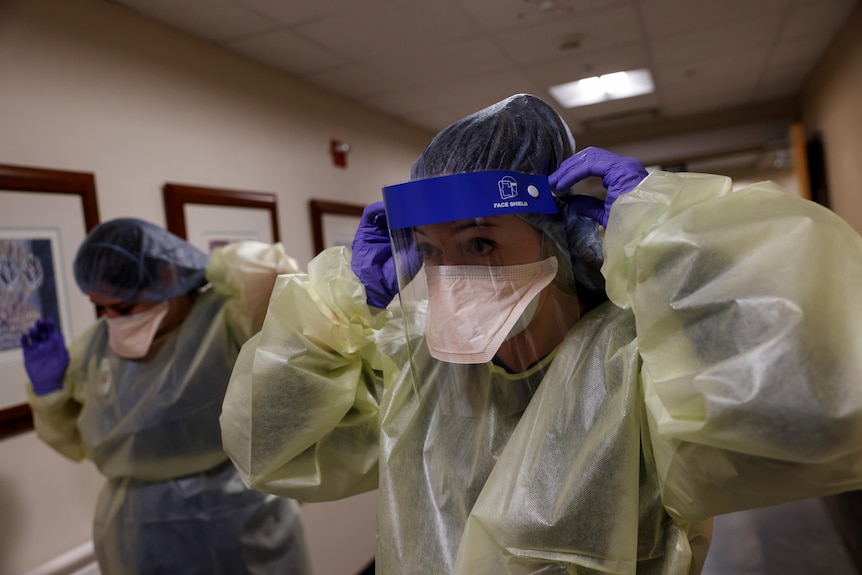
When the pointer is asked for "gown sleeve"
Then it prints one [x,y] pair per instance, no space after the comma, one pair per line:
[300,417]
[747,319]
[244,273]
[55,415]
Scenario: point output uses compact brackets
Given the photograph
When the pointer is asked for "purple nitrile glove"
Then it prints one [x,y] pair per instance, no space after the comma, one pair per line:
[45,356]
[373,262]
[619,174]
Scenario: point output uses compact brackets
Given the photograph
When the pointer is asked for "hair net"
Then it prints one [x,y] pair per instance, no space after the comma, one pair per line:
[134,260]
[522,133]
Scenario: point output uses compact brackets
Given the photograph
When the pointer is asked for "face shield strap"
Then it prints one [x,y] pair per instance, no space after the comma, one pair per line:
[464,196]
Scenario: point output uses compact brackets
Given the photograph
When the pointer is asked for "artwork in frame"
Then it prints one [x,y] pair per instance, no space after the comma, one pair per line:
[212,217]
[333,223]
[46,215]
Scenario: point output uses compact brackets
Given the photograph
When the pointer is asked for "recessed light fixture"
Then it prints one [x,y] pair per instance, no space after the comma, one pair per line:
[595,89]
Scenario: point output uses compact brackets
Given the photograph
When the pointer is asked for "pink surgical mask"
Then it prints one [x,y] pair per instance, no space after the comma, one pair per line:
[131,336]
[472,310]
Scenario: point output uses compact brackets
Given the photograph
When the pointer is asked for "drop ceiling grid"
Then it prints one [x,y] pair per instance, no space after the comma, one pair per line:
[424,62]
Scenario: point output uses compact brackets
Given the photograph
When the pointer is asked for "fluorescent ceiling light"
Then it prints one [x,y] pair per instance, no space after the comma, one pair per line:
[597,89]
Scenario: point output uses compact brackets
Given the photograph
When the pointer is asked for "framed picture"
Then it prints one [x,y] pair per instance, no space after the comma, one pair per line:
[333,223]
[45,217]
[212,217]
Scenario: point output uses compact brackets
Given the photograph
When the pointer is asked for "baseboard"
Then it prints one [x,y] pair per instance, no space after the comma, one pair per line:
[78,561]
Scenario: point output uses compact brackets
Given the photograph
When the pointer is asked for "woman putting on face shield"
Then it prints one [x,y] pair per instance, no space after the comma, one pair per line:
[563,384]
[493,285]
[139,393]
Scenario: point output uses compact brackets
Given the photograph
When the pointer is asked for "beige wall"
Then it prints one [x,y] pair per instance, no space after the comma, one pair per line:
[91,86]
[88,86]
[832,106]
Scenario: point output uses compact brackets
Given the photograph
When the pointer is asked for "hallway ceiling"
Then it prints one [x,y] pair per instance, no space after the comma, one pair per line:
[429,63]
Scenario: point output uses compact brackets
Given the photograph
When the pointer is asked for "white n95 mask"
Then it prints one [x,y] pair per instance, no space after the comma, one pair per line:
[472,310]
[131,336]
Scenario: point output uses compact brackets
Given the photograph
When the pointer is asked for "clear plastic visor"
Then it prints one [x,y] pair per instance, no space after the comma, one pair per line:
[482,288]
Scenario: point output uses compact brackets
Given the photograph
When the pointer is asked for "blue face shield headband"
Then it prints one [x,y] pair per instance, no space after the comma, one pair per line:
[464,196]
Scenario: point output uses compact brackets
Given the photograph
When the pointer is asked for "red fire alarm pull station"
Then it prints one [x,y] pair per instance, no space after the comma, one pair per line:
[339,150]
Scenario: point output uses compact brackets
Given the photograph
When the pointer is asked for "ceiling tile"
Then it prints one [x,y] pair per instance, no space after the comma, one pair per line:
[291,12]
[542,41]
[497,15]
[429,63]
[488,88]
[354,81]
[726,39]
[444,62]
[733,68]
[704,98]
[387,27]
[210,19]
[778,86]
[287,51]
[801,52]
[675,17]
[816,18]
[788,66]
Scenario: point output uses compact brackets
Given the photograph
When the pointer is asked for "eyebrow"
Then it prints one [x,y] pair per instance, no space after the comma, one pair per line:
[116,304]
[477,223]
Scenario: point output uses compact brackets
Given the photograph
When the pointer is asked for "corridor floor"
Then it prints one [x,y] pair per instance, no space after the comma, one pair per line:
[792,539]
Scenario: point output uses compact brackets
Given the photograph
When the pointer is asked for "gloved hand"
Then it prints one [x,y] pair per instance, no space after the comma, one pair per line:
[372,259]
[45,356]
[619,174]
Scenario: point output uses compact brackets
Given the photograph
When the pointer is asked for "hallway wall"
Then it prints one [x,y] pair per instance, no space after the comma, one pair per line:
[93,87]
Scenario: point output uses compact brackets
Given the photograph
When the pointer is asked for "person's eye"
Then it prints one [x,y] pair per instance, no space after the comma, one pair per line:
[427,251]
[482,246]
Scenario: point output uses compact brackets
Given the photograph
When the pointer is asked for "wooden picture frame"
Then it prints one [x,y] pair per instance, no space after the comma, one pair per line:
[210,217]
[333,223]
[56,208]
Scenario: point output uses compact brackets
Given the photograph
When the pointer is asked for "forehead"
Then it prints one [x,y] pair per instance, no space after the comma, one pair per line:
[509,224]
[104,300]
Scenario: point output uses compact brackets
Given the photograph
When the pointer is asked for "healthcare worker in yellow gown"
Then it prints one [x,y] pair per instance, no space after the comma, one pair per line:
[565,383]
[140,392]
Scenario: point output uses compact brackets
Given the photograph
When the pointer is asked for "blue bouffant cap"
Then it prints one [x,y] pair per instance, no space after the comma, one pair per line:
[521,133]
[134,260]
